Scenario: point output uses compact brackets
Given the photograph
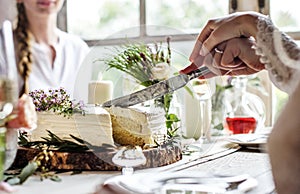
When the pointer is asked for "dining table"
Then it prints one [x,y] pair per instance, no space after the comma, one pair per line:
[217,156]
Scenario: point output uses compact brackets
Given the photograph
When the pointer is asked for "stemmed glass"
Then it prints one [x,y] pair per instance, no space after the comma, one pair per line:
[129,157]
[8,96]
[204,90]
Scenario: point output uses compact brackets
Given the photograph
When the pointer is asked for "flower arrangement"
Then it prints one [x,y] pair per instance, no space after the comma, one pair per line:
[148,64]
[55,100]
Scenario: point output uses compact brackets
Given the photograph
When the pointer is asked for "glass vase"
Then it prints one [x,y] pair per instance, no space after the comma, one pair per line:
[244,112]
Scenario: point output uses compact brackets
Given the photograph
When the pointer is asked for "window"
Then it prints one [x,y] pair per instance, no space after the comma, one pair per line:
[187,16]
[102,18]
[108,20]
[286,15]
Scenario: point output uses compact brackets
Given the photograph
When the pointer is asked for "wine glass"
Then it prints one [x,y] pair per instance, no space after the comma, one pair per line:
[204,90]
[129,157]
[8,96]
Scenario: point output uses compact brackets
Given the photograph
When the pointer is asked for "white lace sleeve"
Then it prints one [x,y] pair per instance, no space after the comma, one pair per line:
[279,53]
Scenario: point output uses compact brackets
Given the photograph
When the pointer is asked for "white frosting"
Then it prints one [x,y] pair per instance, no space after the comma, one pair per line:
[94,126]
[92,109]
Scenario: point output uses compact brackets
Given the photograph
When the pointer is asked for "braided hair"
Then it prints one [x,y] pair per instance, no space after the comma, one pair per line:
[23,47]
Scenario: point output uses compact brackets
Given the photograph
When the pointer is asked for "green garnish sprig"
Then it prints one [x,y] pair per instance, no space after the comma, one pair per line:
[53,142]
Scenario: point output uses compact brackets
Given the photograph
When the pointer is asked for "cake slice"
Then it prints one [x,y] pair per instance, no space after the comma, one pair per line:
[94,126]
[138,125]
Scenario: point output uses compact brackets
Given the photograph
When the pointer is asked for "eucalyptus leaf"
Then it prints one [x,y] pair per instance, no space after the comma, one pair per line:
[55,178]
[28,171]
[77,139]
[13,181]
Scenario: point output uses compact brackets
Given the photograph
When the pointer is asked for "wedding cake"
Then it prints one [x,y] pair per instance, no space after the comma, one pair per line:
[138,125]
[125,126]
[115,126]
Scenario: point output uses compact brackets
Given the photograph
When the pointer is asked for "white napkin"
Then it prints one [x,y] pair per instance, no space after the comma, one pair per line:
[150,183]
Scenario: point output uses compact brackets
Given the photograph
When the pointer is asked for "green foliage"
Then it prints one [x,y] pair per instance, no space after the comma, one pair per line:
[54,142]
[138,61]
[40,161]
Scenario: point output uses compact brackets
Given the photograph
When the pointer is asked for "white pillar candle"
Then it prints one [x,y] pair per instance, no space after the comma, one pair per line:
[100,91]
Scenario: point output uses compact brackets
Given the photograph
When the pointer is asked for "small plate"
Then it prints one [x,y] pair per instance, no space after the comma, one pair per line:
[249,139]
[152,182]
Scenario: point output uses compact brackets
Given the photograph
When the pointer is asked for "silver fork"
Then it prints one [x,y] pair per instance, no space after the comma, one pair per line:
[217,183]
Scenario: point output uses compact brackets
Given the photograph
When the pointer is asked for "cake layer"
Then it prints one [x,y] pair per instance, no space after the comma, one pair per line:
[138,125]
[93,127]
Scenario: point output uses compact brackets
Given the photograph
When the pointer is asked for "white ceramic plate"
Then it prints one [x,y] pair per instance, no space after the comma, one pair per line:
[249,139]
[150,183]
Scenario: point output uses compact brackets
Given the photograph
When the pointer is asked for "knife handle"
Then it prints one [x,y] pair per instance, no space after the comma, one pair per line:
[203,70]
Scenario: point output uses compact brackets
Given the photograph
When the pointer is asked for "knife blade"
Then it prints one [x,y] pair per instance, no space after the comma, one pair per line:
[157,90]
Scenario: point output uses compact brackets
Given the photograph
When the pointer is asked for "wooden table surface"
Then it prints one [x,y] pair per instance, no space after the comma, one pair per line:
[232,160]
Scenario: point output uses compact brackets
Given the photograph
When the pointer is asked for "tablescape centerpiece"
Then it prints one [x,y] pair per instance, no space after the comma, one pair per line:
[71,151]
[148,64]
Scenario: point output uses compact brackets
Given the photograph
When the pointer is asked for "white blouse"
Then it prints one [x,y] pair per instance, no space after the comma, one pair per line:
[280,54]
[70,53]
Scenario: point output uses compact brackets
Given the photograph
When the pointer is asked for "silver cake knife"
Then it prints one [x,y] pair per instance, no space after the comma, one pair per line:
[157,90]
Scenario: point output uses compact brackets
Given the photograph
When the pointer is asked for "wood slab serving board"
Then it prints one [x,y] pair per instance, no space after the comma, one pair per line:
[100,160]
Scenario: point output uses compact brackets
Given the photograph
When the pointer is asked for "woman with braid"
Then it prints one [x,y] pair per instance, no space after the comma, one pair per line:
[46,56]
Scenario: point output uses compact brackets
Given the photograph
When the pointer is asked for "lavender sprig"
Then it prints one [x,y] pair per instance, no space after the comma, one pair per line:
[57,101]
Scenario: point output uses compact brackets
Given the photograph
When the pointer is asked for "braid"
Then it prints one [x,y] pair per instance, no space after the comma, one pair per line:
[24,55]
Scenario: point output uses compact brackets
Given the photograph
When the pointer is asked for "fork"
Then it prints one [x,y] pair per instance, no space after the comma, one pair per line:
[217,183]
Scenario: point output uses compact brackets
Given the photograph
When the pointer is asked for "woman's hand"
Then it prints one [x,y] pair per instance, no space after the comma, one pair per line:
[26,118]
[108,189]
[232,57]
[6,188]
[216,31]
[237,57]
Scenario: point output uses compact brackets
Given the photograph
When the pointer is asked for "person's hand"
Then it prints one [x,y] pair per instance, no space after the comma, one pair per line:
[6,188]
[233,57]
[216,31]
[108,189]
[26,118]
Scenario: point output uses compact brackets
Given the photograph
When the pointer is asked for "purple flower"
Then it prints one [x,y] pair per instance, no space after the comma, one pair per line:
[56,100]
